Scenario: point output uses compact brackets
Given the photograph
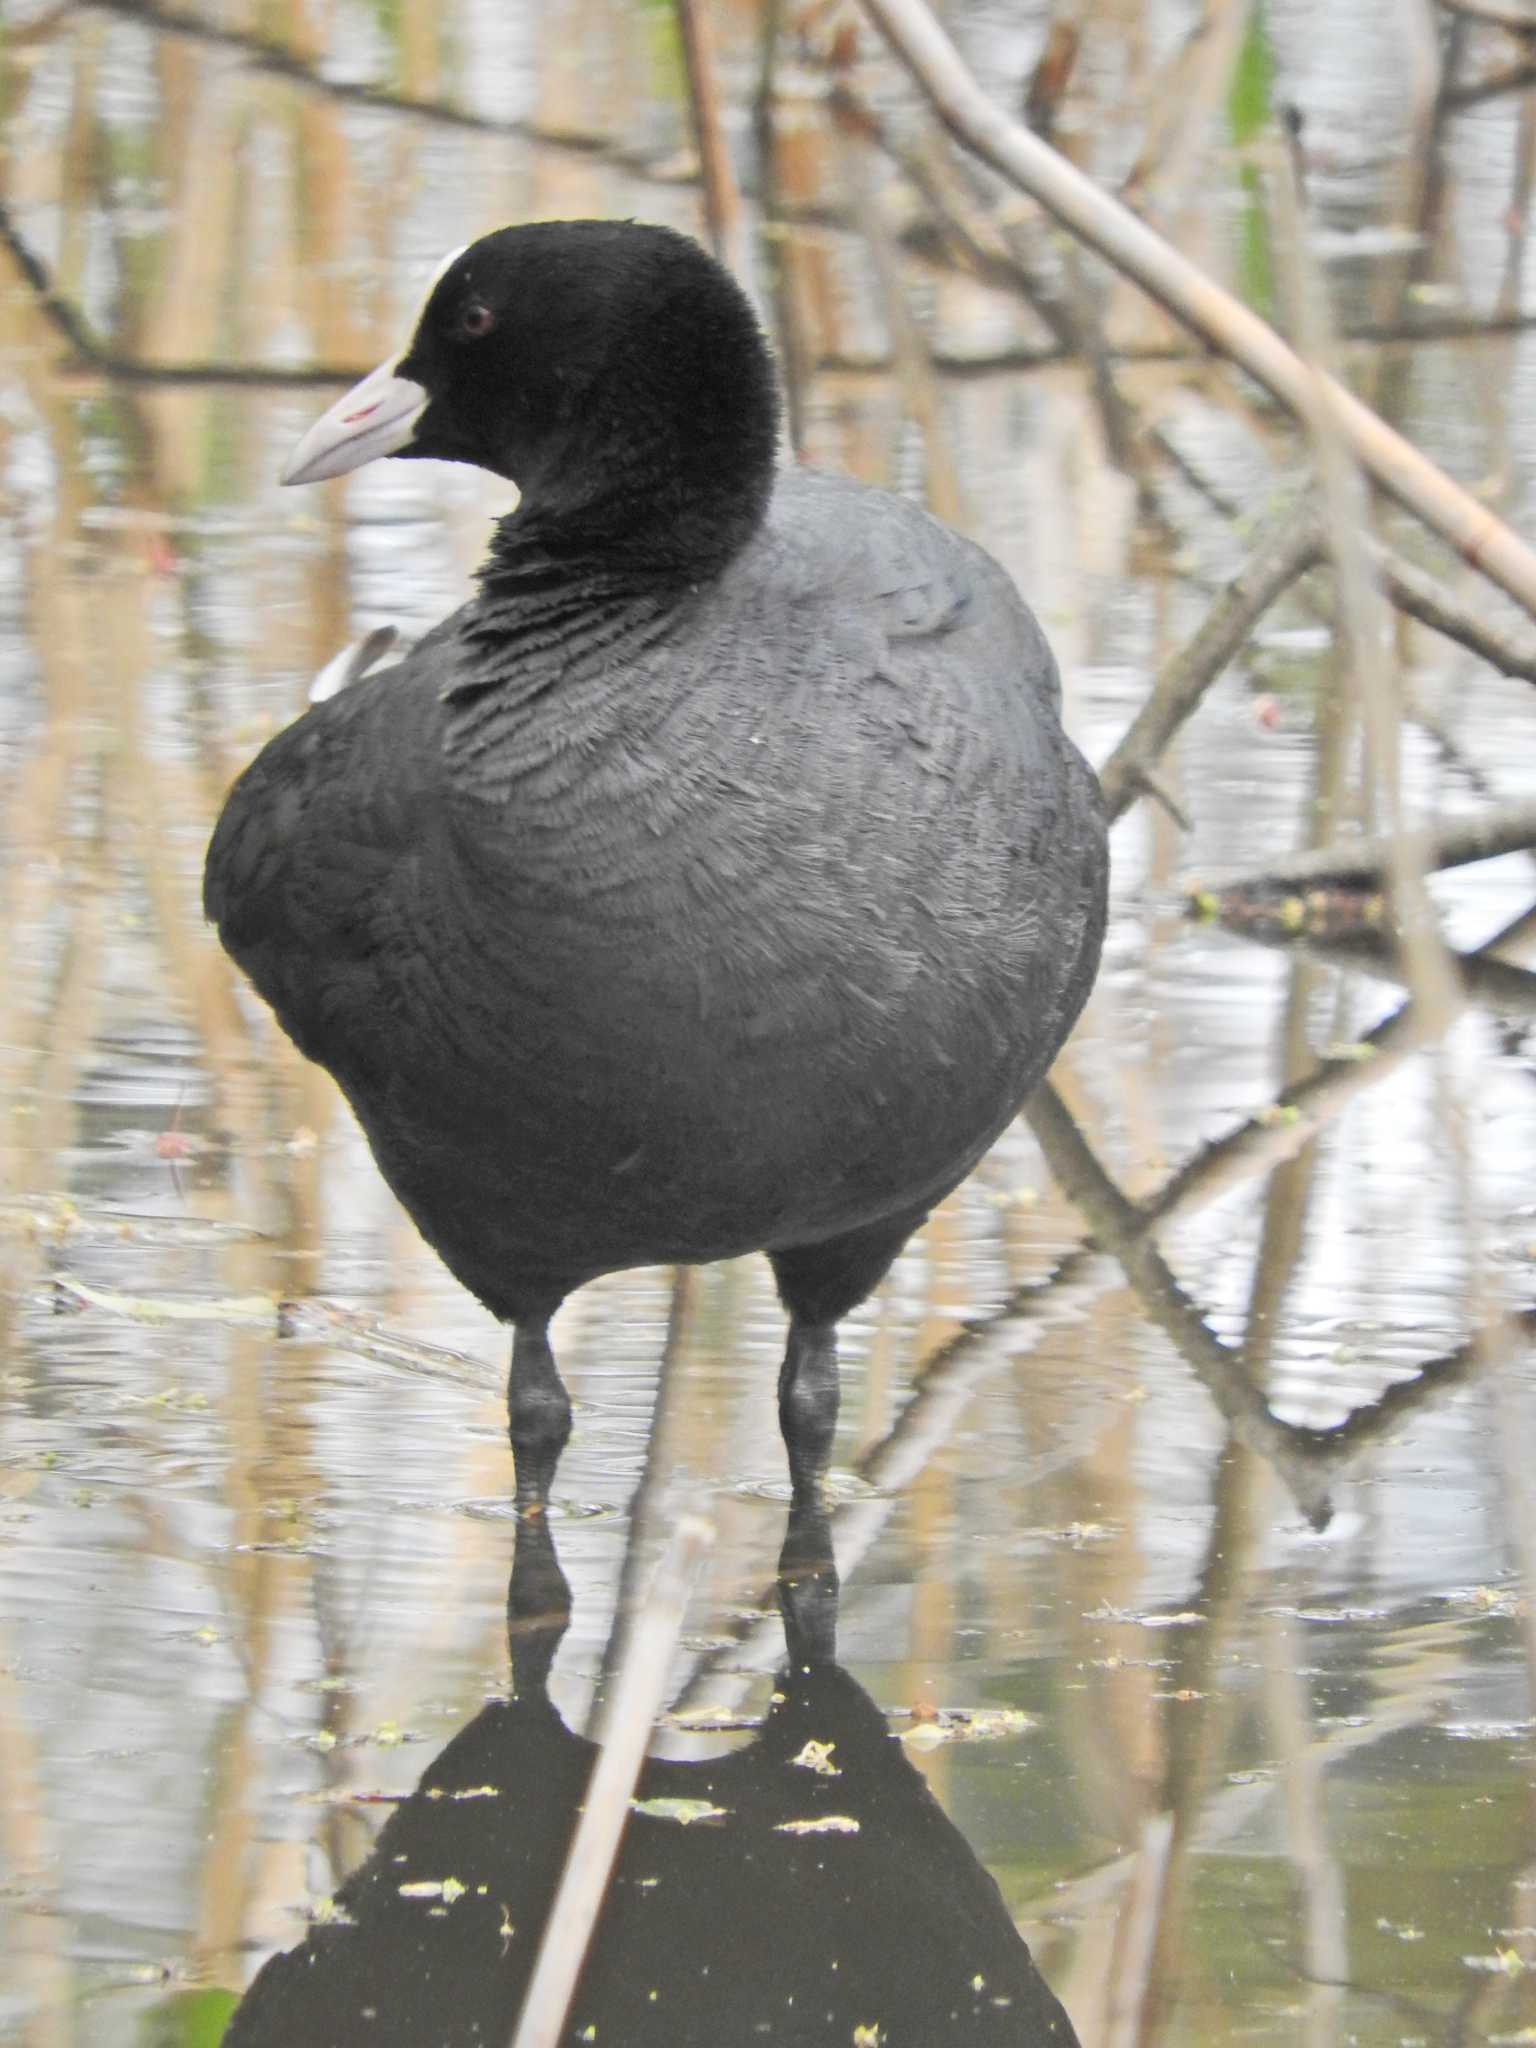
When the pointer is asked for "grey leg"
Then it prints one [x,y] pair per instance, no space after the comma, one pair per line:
[538,1415]
[818,1284]
[808,1394]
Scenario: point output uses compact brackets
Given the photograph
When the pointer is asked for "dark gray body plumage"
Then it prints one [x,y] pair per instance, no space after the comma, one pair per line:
[650,928]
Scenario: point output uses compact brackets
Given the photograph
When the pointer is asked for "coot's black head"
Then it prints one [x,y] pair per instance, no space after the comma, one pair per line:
[613,371]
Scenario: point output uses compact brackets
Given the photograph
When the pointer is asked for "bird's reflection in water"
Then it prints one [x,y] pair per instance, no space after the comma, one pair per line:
[880,1928]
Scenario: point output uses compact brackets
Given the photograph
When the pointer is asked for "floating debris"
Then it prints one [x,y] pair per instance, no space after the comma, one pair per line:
[709,1720]
[54,1218]
[817,1757]
[239,1311]
[686,1812]
[964,1724]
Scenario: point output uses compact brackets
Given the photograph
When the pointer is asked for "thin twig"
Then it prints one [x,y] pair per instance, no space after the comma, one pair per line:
[1495,984]
[281,60]
[909,344]
[27,34]
[722,201]
[1292,547]
[794,364]
[1520,21]
[1193,298]
[1282,1127]
[605,1810]
[994,252]
[65,319]
[1366,863]
[1433,605]
[961,230]
[1347,509]
[1513,78]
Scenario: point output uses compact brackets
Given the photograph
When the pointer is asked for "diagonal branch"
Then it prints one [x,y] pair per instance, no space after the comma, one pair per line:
[1364,863]
[1307,1458]
[1185,291]
[1292,547]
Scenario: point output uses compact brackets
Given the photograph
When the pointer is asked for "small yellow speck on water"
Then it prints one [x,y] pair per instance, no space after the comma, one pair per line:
[445,1888]
[817,1756]
[867,2037]
[587,2034]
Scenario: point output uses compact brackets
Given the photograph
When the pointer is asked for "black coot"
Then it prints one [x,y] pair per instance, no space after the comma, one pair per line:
[719,879]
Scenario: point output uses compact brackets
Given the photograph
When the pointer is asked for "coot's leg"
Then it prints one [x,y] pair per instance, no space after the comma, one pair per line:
[818,1284]
[808,1399]
[538,1413]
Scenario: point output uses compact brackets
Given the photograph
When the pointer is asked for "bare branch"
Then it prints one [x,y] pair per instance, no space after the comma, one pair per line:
[1193,298]
[605,1808]
[722,201]
[1308,1459]
[1365,863]
[1422,598]
[1292,547]
[1509,14]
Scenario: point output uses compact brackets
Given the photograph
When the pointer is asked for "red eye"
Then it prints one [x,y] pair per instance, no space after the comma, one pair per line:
[476,320]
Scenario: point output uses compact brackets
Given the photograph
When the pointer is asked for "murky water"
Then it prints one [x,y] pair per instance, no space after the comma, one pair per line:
[1235,1779]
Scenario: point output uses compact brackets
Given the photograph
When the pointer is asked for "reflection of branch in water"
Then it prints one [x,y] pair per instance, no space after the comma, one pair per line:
[942,1389]
[1279,1130]
[66,321]
[1290,547]
[1496,984]
[1512,78]
[268,54]
[1153,1952]
[1306,1458]
[1282,1127]
[1116,1224]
